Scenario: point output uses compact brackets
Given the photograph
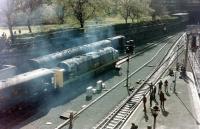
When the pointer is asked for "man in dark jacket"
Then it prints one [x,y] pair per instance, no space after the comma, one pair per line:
[166,86]
[162,100]
[144,100]
[160,86]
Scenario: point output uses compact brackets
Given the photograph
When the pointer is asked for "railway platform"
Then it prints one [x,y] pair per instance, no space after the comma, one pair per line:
[181,108]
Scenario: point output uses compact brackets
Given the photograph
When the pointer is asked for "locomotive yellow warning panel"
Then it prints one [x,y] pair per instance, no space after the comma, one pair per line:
[59,78]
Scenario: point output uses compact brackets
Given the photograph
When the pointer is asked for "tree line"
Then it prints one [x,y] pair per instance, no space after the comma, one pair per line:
[83,10]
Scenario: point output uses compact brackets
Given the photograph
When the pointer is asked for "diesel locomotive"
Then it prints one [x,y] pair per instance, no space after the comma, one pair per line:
[86,65]
[52,60]
[43,80]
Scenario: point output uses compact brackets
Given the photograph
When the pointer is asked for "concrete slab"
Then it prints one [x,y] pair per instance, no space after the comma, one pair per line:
[181,109]
[65,115]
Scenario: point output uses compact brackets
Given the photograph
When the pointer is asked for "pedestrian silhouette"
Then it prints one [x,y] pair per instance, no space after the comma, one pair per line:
[160,86]
[151,98]
[177,66]
[154,92]
[133,126]
[149,127]
[162,100]
[144,99]
[19,31]
[171,72]
[166,86]
[151,87]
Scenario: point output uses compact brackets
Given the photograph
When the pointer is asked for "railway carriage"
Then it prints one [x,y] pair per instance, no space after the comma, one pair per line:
[24,87]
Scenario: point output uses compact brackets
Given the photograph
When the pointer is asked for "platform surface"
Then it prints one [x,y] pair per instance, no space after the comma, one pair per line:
[182,110]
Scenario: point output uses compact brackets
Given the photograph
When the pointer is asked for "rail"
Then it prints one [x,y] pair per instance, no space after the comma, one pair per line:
[195,67]
[122,60]
[123,110]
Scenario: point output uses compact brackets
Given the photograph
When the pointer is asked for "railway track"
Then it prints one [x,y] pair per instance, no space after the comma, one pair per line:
[148,47]
[114,87]
[124,58]
[120,114]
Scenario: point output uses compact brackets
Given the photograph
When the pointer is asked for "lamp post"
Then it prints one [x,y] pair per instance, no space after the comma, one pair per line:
[71,117]
[177,64]
[198,46]
[127,73]
[129,50]
[186,53]
[154,112]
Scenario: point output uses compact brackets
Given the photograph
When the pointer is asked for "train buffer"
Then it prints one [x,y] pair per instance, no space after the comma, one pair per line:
[121,61]
[65,115]
[117,70]
[118,67]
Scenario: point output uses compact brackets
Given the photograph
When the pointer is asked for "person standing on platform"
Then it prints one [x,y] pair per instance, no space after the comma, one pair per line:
[162,100]
[151,87]
[160,86]
[154,92]
[144,99]
[166,86]
[19,31]
[151,98]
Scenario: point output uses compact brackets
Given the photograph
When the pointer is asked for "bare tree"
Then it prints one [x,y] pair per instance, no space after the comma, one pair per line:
[135,10]
[107,7]
[139,8]
[124,9]
[159,8]
[8,9]
[82,10]
[61,8]
[28,6]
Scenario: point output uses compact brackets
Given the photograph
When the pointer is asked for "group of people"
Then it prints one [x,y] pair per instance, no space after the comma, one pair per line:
[19,31]
[4,40]
[153,91]
[4,36]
